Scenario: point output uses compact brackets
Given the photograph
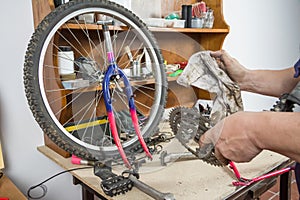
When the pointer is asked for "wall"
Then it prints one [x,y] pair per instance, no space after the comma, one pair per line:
[264,34]
[19,133]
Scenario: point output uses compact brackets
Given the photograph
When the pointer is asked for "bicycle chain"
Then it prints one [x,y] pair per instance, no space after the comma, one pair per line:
[189,124]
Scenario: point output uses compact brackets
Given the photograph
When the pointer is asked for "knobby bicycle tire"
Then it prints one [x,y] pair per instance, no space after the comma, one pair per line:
[69,117]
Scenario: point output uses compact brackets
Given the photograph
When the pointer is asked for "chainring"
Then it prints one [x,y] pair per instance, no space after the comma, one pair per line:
[188,124]
[174,119]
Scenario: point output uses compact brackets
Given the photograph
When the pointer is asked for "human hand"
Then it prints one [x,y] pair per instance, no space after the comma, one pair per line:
[233,138]
[233,68]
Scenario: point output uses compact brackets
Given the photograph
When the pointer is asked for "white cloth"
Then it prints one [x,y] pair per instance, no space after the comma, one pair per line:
[202,71]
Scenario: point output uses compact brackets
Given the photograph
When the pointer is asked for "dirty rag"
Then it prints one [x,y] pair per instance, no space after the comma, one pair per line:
[203,71]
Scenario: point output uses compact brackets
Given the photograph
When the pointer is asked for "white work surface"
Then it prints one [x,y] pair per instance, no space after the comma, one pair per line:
[190,179]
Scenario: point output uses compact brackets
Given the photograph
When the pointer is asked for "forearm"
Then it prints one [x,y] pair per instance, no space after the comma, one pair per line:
[278,132]
[266,82]
[269,82]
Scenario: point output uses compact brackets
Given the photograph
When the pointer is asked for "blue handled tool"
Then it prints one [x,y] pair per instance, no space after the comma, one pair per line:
[297,69]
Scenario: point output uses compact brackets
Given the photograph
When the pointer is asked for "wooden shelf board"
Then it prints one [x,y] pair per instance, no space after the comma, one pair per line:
[132,82]
[153,29]
[190,30]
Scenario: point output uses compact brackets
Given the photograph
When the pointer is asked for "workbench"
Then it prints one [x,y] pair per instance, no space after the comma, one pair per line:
[189,179]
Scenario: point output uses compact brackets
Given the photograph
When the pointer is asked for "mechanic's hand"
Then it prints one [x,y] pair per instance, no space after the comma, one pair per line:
[232,138]
[234,69]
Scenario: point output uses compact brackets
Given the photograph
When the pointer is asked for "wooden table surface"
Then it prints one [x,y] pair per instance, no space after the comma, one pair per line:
[190,179]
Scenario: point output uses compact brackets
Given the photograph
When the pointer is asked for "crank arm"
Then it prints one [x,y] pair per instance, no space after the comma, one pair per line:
[170,157]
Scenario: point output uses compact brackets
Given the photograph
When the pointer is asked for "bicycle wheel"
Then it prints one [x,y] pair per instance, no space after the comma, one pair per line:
[72,112]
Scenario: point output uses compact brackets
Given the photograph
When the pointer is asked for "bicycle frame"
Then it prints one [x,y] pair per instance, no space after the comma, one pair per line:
[115,73]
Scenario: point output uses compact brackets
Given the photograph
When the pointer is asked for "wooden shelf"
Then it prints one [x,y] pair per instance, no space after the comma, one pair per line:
[90,27]
[112,85]
[190,30]
[153,29]
[176,44]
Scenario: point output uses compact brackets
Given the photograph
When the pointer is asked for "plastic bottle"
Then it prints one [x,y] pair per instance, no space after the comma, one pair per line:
[65,60]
